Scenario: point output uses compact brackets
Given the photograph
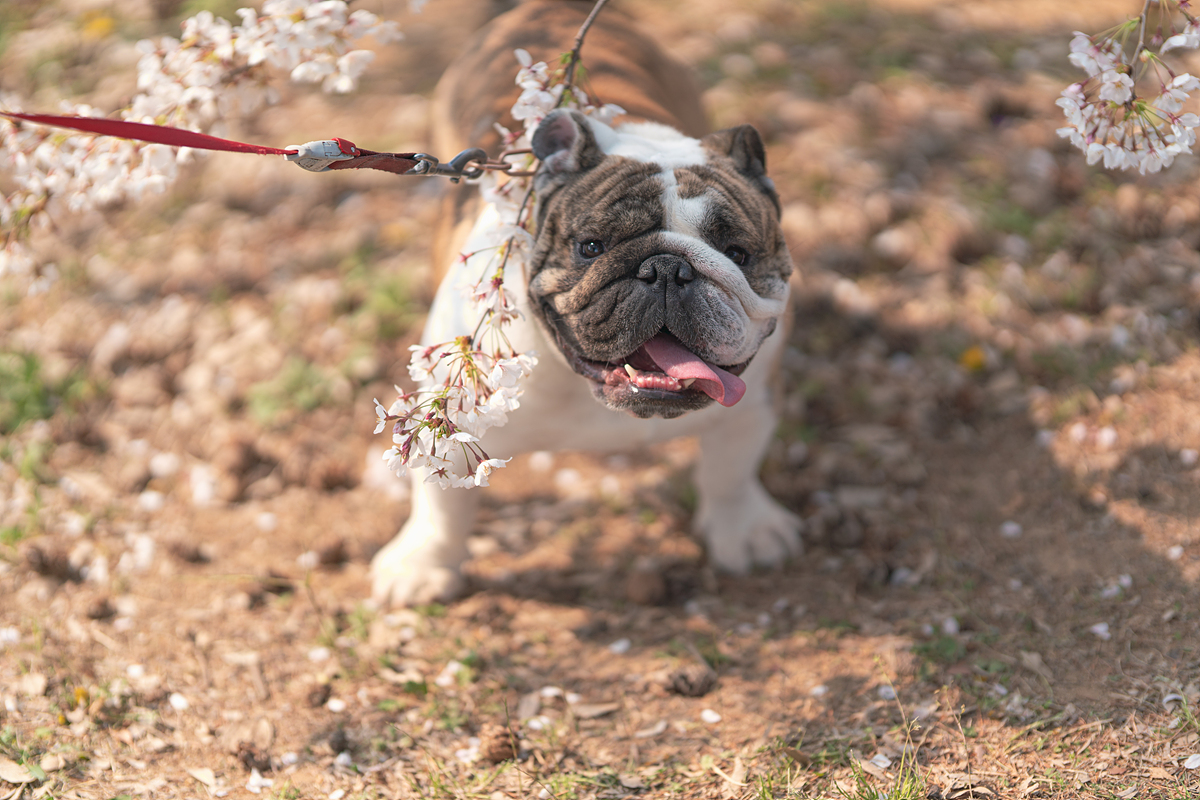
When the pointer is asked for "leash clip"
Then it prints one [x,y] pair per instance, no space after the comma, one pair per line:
[317,156]
[455,169]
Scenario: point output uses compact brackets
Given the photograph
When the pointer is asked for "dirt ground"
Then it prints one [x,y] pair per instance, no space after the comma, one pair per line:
[990,427]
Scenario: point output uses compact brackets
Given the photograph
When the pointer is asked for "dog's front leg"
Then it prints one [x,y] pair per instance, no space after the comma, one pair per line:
[740,523]
[423,564]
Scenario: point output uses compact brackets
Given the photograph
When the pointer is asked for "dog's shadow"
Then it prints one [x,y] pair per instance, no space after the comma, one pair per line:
[936,515]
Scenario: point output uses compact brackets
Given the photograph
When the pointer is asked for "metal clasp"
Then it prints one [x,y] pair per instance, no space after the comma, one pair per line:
[455,169]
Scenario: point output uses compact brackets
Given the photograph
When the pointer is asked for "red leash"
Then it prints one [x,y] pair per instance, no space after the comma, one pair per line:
[317,156]
[157,134]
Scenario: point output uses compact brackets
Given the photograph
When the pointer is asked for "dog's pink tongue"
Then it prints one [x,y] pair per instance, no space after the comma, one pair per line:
[681,364]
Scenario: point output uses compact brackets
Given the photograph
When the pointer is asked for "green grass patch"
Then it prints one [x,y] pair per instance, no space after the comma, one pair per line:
[838,626]
[391,303]
[431,610]
[449,713]
[24,396]
[831,753]
[358,622]
[32,465]
[27,395]
[14,18]
[15,748]
[711,653]
[941,650]
[1187,714]
[299,387]
[286,792]
[909,785]
[11,535]
[1007,217]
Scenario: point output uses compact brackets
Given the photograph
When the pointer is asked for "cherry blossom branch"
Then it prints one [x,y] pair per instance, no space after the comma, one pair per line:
[1106,116]
[218,69]
[1141,45]
[215,70]
[578,46]
[471,384]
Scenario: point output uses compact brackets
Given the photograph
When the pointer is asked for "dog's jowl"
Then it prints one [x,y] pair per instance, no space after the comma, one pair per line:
[652,298]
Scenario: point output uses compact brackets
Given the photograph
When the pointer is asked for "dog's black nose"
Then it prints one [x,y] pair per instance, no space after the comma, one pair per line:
[665,268]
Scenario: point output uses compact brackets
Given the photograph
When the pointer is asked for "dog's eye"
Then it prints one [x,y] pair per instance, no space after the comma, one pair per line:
[591,248]
[737,255]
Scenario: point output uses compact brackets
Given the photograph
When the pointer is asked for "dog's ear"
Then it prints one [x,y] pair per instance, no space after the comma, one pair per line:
[564,143]
[745,148]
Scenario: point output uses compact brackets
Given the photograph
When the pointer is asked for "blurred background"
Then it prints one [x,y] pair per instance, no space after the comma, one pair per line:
[988,426]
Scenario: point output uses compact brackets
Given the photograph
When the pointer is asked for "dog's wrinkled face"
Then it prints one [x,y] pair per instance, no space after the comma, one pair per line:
[659,267]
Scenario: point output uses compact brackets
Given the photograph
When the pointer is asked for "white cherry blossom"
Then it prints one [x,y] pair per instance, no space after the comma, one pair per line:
[215,70]
[1188,39]
[1110,115]
[474,383]
[1115,87]
[220,68]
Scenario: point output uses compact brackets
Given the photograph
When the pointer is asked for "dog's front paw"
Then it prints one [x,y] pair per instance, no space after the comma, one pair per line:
[750,531]
[408,574]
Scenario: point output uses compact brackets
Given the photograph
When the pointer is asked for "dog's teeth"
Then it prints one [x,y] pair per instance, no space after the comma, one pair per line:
[687,382]
[633,386]
[631,371]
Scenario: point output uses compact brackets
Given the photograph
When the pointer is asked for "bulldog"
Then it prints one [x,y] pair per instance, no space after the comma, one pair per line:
[653,298]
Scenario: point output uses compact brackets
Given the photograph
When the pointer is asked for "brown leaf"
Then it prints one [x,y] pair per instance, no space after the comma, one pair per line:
[1030,786]
[646,584]
[264,733]
[695,680]
[31,684]
[529,706]
[657,729]
[188,552]
[252,756]
[404,678]
[795,755]
[332,553]
[12,772]
[873,770]
[100,608]
[52,762]
[498,743]
[204,775]
[594,710]
[51,563]
[250,741]
[733,780]
[319,694]
[1033,662]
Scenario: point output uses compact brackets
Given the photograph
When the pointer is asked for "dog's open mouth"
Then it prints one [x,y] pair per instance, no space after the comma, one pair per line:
[663,369]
